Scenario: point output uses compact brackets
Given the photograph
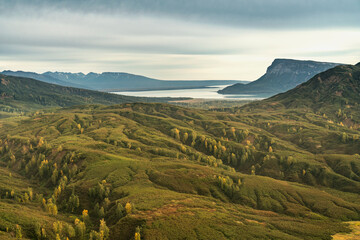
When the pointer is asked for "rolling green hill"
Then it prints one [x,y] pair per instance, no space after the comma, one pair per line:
[19,94]
[182,171]
[281,168]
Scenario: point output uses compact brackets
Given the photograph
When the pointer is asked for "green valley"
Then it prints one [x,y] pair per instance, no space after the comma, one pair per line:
[287,167]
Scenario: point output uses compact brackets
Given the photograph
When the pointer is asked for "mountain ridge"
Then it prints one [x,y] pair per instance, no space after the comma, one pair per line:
[335,88]
[41,77]
[117,81]
[281,75]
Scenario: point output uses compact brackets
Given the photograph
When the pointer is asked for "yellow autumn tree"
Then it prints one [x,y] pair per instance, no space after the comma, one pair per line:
[137,234]
[128,208]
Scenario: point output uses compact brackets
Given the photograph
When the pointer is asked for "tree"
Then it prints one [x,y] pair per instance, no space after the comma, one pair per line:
[103,233]
[119,211]
[85,216]
[106,202]
[69,231]
[96,209]
[37,230]
[30,193]
[137,234]
[57,227]
[176,133]
[128,208]
[53,209]
[43,232]
[54,176]
[26,197]
[101,213]
[185,137]
[344,137]
[252,170]
[94,235]
[80,229]
[239,182]
[73,202]
[270,149]
[18,233]
[103,230]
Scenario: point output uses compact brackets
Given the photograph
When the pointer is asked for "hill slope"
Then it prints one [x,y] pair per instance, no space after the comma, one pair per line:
[114,81]
[337,87]
[282,75]
[24,94]
[329,91]
[42,77]
[183,173]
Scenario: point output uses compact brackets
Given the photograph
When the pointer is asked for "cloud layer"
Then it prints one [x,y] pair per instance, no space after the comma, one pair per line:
[175,39]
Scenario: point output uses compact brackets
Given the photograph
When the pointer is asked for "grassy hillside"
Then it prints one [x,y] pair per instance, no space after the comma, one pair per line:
[338,87]
[283,168]
[168,172]
[19,94]
[334,93]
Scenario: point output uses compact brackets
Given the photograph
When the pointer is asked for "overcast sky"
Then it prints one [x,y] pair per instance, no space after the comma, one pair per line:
[175,39]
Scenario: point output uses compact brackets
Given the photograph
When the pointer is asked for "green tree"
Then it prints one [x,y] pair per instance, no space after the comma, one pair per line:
[119,211]
[80,229]
[94,235]
[37,230]
[101,212]
[69,231]
[73,202]
[54,176]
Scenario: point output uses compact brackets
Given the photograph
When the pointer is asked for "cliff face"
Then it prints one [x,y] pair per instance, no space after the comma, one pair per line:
[327,92]
[281,75]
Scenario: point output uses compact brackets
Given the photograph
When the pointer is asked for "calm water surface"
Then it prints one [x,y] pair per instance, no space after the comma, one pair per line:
[206,93]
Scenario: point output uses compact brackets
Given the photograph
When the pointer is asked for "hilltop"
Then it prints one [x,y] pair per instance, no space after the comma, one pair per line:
[281,75]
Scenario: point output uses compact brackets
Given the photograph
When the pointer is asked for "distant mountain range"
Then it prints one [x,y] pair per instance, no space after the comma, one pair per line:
[24,94]
[116,81]
[282,75]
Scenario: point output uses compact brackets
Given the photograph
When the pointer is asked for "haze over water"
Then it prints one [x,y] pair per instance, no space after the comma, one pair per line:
[203,93]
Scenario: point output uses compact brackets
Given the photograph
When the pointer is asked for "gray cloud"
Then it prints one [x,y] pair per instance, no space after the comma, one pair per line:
[242,13]
[170,39]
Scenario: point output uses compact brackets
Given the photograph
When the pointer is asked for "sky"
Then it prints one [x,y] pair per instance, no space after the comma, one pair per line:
[175,39]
